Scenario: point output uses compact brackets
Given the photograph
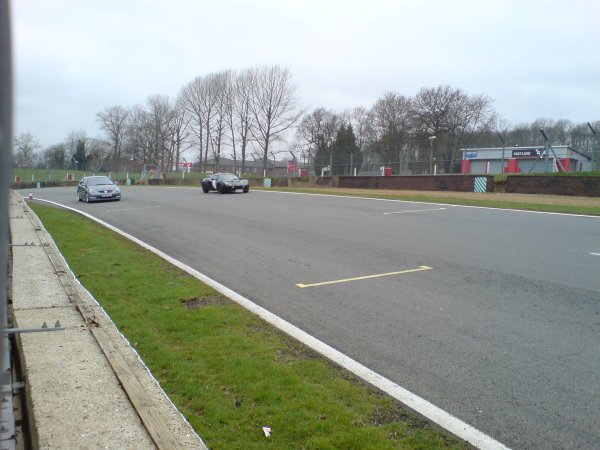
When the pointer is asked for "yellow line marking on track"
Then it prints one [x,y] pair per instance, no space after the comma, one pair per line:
[345,280]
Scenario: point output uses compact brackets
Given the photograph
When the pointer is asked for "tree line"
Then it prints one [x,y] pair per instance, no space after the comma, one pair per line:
[412,132]
[256,113]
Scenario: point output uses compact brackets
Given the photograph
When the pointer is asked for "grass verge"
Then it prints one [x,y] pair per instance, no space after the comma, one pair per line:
[226,370]
[539,205]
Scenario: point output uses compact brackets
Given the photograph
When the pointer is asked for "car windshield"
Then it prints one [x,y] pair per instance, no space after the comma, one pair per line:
[96,181]
[228,177]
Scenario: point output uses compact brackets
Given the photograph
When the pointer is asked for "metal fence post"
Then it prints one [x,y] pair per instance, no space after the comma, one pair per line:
[7,421]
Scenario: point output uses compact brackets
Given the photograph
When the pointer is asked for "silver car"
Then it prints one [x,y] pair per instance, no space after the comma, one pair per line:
[97,188]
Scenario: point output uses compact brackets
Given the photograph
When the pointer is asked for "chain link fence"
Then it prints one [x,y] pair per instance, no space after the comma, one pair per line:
[374,168]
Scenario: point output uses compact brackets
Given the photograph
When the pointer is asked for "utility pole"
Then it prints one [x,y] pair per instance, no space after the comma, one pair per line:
[400,161]
[595,151]
[431,139]
[545,150]
[331,159]
[503,150]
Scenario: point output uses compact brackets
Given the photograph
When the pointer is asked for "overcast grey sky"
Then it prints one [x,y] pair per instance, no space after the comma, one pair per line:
[74,58]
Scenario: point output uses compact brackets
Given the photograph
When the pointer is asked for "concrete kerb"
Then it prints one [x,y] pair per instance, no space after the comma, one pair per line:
[81,383]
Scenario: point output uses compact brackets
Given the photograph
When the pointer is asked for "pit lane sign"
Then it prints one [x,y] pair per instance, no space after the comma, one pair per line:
[528,153]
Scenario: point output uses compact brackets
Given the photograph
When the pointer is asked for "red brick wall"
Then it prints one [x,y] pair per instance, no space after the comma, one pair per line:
[553,185]
[457,183]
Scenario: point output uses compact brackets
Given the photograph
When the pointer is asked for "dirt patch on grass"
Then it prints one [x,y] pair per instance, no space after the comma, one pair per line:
[386,416]
[211,300]
[396,414]
[295,351]
[291,351]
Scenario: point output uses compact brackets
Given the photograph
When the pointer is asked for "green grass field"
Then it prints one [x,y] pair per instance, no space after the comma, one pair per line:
[229,372]
[35,175]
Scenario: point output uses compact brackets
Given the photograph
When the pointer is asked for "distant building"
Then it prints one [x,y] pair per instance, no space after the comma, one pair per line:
[484,161]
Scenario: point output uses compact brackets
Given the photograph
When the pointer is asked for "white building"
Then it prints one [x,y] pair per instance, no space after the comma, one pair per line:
[561,158]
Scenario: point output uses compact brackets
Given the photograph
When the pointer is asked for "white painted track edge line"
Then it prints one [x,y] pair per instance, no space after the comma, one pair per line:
[428,410]
[414,211]
[431,203]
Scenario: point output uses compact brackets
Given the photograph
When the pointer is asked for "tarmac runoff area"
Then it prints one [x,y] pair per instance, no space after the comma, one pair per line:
[86,388]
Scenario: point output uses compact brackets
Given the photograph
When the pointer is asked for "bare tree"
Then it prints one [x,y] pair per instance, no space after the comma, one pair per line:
[392,125]
[316,132]
[113,122]
[471,118]
[431,110]
[97,152]
[220,89]
[71,143]
[179,130]
[362,125]
[160,115]
[274,106]
[139,136]
[26,146]
[243,120]
[319,126]
[155,134]
[449,115]
[581,138]
[190,96]
[199,102]
[55,156]
[362,121]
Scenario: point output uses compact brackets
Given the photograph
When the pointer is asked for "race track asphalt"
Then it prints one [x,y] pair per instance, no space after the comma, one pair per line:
[501,330]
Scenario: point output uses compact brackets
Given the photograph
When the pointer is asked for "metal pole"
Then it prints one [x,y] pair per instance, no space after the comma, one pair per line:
[400,162]
[545,150]
[430,154]
[331,159]
[6,411]
[595,151]
[503,150]
[431,139]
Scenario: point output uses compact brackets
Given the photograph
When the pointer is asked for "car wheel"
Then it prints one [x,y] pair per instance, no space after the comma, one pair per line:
[205,189]
[78,197]
[246,189]
[86,198]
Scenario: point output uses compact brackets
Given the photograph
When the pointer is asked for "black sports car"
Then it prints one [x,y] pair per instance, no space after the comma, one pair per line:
[96,188]
[224,182]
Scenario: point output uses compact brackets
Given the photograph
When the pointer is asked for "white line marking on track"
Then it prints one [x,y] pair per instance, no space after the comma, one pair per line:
[437,415]
[595,254]
[412,211]
[431,203]
[368,277]
[132,209]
